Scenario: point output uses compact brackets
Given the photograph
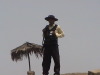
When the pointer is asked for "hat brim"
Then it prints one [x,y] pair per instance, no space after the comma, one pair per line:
[48,18]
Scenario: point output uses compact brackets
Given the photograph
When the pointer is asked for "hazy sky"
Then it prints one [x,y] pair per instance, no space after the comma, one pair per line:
[23,20]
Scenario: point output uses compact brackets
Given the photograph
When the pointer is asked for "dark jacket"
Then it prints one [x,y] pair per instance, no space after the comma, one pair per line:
[49,37]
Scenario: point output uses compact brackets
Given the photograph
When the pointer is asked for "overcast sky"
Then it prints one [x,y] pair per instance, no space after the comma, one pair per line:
[23,20]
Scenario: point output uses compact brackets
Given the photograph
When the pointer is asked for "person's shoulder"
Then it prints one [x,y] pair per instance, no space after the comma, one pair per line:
[46,27]
[58,26]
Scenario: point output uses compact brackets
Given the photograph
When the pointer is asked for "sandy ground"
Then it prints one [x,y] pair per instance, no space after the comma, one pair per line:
[76,74]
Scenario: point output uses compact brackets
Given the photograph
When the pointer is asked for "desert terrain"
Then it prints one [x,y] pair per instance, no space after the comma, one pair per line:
[75,74]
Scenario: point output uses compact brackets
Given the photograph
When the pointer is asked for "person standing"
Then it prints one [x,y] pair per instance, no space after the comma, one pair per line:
[51,33]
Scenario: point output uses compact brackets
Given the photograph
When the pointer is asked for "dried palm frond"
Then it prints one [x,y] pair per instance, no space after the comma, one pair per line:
[25,49]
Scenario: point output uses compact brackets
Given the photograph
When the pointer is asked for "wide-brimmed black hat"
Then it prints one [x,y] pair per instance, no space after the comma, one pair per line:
[51,17]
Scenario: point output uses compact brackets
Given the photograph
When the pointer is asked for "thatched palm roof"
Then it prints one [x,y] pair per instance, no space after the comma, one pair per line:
[25,49]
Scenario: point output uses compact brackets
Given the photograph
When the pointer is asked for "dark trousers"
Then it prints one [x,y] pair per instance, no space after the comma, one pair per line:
[51,52]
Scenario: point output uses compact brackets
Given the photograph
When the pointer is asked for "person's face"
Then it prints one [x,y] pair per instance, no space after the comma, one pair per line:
[51,21]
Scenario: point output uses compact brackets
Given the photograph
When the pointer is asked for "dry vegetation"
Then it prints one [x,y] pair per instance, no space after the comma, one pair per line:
[75,74]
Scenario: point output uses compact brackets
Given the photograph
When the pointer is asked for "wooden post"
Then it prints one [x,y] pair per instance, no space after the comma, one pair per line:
[30,73]
[29,62]
[94,72]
